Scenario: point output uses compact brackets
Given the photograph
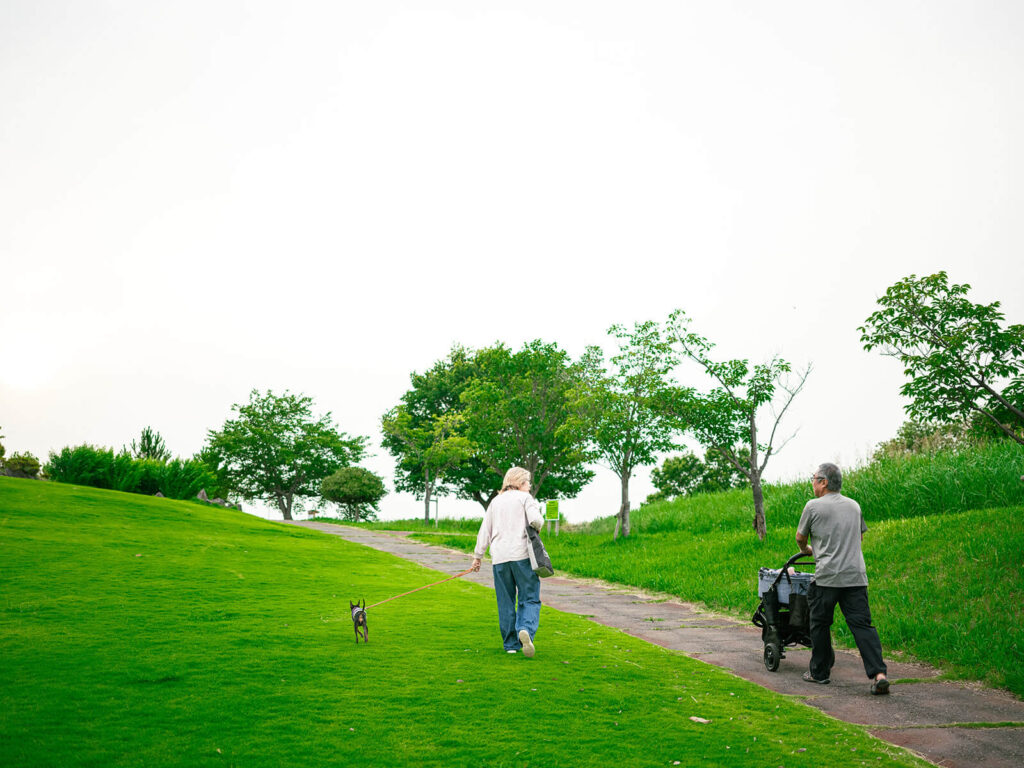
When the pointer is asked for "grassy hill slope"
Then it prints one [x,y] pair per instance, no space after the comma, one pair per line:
[142,631]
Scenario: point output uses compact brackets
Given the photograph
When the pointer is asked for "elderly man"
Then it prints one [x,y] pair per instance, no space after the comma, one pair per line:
[831,528]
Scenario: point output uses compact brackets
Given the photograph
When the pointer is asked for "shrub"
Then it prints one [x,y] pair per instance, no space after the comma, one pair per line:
[183,479]
[82,465]
[356,490]
[213,461]
[23,464]
[102,468]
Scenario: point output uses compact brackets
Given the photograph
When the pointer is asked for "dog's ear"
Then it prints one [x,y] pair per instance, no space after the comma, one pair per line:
[364,603]
[352,605]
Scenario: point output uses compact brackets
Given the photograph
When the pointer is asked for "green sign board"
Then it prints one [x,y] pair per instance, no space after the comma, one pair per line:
[551,509]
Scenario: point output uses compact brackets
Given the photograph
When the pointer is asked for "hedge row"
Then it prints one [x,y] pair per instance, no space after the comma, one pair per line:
[102,468]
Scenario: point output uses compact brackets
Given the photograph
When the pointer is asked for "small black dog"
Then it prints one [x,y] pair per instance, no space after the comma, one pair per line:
[359,620]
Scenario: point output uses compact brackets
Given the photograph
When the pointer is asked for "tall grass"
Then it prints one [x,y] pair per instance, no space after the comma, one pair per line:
[975,477]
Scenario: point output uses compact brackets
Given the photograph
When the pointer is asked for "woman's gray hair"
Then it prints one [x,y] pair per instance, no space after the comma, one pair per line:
[514,478]
[832,474]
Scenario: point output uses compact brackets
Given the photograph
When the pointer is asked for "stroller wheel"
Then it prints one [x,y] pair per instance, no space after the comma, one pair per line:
[772,654]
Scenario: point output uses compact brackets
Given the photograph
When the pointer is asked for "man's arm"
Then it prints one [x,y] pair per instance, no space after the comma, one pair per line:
[801,542]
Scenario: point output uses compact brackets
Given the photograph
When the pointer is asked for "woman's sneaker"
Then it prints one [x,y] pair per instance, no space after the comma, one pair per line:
[528,649]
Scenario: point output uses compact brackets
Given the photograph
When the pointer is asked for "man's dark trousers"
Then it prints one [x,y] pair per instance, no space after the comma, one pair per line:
[853,602]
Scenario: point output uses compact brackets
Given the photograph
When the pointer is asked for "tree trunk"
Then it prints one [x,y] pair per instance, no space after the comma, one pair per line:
[622,520]
[428,489]
[755,482]
[284,502]
[484,501]
[759,524]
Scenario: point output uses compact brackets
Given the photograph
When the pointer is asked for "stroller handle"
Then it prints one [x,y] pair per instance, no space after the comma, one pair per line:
[796,557]
[784,571]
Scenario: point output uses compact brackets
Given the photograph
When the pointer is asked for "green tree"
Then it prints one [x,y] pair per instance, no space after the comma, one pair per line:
[727,415]
[276,450]
[518,411]
[422,434]
[687,475]
[627,410]
[150,446]
[431,445]
[2,451]
[678,475]
[356,490]
[958,358]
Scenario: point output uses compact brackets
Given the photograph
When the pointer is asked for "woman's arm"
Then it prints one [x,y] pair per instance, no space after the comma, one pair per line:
[483,540]
[533,514]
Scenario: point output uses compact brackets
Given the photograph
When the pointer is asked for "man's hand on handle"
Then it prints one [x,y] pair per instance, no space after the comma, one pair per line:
[476,564]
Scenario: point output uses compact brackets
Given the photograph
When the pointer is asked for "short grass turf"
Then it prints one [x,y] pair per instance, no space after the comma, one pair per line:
[139,631]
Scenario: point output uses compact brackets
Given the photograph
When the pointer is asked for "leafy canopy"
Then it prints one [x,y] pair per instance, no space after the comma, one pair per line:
[425,434]
[726,415]
[957,355]
[518,413]
[628,406]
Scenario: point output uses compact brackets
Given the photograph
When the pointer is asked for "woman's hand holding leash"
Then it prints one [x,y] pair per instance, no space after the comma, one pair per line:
[476,564]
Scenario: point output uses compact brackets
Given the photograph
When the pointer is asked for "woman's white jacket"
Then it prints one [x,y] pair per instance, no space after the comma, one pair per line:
[504,527]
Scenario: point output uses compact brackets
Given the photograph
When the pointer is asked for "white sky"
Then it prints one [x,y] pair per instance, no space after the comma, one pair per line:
[200,198]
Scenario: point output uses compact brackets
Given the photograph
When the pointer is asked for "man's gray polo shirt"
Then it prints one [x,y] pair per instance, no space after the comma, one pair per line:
[833,526]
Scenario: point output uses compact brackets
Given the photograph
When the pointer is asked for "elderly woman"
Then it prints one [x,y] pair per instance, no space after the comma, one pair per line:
[504,531]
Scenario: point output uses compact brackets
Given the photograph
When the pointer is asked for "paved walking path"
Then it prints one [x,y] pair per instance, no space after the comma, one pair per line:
[928,717]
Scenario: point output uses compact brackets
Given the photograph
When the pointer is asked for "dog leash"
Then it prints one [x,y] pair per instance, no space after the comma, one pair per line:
[428,586]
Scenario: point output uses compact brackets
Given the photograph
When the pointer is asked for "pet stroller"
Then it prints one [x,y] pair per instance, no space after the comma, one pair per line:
[783,613]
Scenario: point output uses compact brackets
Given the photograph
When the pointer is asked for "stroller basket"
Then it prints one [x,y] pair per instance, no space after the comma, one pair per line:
[794,583]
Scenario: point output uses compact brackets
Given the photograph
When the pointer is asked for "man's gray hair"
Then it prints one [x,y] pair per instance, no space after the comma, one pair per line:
[833,474]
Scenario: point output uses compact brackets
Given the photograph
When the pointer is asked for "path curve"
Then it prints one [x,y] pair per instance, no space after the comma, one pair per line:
[925,715]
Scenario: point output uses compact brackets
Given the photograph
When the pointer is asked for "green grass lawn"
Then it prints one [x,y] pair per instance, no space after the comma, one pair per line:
[140,632]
